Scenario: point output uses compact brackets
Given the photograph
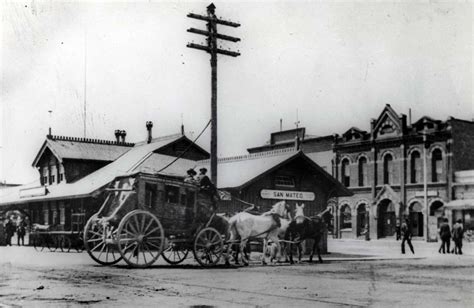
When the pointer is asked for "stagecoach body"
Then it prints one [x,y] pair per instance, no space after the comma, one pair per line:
[145,216]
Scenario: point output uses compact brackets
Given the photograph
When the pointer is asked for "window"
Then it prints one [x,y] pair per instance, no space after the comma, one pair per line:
[387,169]
[150,195]
[345,173]
[346,218]
[45,175]
[190,198]
[362,171]
[61,173]
[51,179]
[285,181]
[171,194]
[436,165]
[415,168]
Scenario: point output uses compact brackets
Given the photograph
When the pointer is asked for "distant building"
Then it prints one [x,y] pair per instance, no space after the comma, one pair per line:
[73,171]
[462,207]
[384,169]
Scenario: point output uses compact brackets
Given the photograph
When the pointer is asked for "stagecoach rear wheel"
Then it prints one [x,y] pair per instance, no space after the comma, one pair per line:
[174,254]
[140,238]
[38,242]
[208,247]
[98,243]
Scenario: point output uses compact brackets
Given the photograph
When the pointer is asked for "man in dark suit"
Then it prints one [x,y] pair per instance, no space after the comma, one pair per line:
[406,236]
[445,235]
[458,233]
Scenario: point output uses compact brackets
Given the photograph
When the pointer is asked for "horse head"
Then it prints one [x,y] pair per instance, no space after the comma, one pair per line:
[299,214]
[281,209]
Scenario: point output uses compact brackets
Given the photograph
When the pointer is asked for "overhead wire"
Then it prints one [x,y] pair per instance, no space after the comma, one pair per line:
[186,150]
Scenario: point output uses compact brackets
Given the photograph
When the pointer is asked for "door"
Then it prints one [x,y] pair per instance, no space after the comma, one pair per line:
[386,219]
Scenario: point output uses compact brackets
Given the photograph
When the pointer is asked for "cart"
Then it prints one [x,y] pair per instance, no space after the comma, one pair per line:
[145,216]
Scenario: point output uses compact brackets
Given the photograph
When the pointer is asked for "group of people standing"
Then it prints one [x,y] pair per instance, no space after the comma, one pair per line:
[446,234]
[11,227]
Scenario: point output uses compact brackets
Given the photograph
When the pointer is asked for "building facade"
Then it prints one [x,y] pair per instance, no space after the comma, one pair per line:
[396,170]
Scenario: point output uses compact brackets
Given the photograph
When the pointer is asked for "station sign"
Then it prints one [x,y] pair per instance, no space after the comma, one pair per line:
[287,195]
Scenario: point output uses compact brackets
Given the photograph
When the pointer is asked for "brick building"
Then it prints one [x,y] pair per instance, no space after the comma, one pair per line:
[384,168]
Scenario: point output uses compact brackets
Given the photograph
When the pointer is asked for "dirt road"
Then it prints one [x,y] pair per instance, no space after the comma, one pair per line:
[58,279]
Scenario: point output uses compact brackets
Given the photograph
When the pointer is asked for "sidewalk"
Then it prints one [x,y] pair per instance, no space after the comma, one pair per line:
[390,249]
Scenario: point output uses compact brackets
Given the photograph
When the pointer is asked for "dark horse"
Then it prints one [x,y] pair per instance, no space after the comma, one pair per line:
[303,228]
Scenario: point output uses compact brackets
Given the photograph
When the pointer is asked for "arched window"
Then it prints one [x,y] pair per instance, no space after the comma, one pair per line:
[361,220]
[346,218]
[415,167]
[387,169]
[345,173]
[362,171]
[436,165]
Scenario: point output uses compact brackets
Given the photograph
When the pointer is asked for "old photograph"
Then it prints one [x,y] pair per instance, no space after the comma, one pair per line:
[236,153]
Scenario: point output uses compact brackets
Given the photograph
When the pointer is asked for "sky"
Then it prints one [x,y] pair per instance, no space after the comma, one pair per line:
[329,65]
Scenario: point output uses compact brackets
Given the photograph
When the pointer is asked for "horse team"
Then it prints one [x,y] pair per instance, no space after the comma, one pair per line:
[276,227]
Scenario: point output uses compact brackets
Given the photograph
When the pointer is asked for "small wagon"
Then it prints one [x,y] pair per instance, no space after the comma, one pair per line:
[148,215]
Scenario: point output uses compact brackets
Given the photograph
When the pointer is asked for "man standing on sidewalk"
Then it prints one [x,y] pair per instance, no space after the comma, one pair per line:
[406,236]
[445,235]
[457,237]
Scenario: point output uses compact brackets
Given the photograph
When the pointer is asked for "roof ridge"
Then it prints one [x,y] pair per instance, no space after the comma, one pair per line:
[161,138]
[88,140]
[253,155]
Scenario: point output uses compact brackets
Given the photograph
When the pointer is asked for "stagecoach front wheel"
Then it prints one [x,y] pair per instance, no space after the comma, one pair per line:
[208,247]
[140,238]
[174,254]
[98,241]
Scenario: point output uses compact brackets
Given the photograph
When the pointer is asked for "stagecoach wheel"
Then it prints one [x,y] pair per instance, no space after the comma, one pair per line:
[208,247]
[174,254]
[140,238]
[53,242]
[98,243]
[38,242]
[66,244]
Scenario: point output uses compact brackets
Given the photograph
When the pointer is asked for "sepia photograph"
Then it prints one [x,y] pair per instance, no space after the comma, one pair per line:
[268,153]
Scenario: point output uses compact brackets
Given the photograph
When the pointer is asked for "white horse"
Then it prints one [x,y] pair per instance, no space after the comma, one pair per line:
[268,226]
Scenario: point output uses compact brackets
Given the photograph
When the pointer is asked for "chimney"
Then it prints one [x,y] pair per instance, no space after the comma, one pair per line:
[281,125]
[123,135]
[117,135]
[149,126]
[182,129]
[409,117]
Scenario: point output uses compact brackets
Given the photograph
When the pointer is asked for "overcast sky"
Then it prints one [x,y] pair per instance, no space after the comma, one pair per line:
[338,64]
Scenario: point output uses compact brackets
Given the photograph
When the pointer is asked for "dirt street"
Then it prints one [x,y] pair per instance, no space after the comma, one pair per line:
[32,279]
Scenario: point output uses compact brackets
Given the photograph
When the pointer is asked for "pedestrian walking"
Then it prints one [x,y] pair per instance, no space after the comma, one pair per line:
[9,231]
[406,236]
[457,234]
[20,232]
[445,235]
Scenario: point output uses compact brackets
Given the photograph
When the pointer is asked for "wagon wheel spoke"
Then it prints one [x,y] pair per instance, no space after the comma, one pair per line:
[148,226]
[148,249]
[150,232]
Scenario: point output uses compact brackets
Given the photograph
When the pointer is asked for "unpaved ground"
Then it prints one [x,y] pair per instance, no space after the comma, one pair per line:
[32,279]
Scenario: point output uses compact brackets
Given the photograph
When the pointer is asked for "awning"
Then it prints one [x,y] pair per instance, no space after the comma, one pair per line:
[463,204]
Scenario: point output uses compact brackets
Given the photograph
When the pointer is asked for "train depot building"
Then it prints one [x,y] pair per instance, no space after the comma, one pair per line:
[386,169]
[73,173]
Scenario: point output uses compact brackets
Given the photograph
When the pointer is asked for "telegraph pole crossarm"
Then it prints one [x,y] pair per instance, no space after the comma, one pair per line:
[211,37]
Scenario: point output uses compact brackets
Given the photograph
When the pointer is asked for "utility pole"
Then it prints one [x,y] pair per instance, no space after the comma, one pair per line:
[211,37]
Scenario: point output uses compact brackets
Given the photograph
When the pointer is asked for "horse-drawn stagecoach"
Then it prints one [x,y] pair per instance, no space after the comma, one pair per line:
[146,215]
